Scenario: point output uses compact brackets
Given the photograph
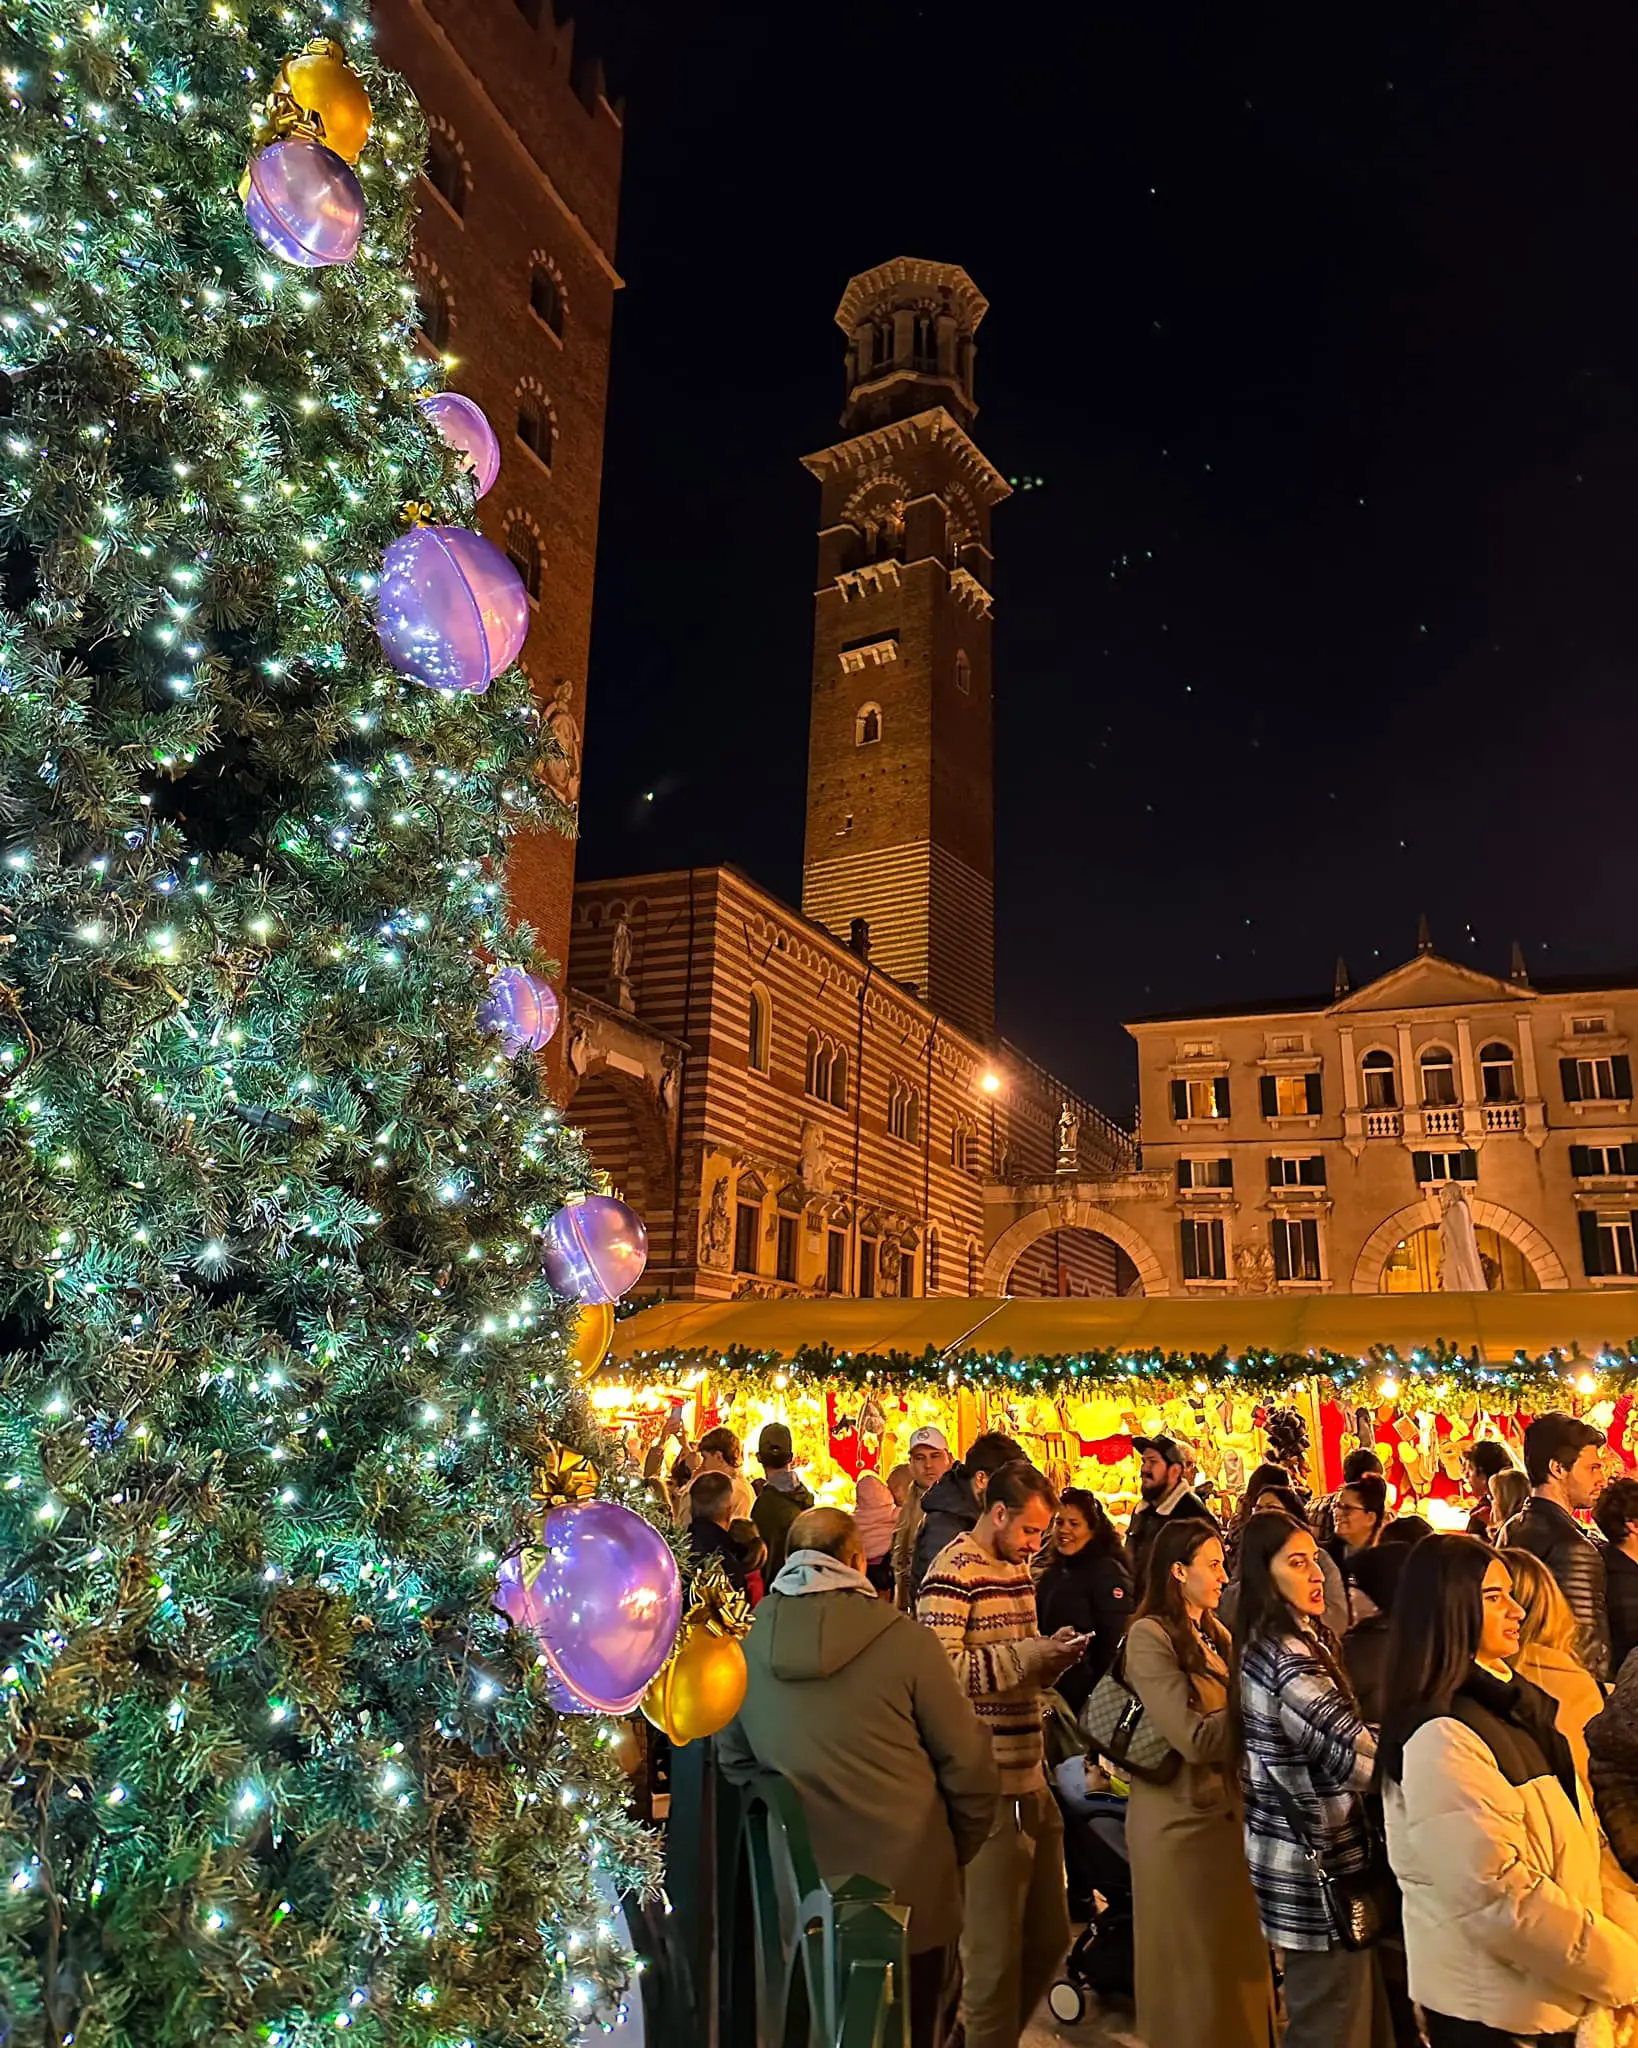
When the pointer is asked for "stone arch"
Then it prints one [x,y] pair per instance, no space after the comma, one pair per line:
[1072,1215]
[1545,1262]
[623,1120]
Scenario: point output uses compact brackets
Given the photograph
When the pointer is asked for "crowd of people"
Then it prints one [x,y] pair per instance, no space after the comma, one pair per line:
[1374,1787]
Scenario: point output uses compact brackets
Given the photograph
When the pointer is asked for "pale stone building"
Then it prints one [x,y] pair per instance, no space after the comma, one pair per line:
[1311,1146]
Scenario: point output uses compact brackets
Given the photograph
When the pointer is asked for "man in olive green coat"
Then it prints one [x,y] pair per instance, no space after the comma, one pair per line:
[857,1706]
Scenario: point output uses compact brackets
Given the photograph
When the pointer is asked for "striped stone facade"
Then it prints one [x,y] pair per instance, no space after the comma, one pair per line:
[832,1132]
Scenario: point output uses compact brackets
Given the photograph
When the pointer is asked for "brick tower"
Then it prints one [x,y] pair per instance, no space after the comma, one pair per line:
[901,801]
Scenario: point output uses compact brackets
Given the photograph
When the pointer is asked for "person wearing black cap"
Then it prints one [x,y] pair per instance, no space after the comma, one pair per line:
[782,1498]
[1566,1476]
[1164,1486]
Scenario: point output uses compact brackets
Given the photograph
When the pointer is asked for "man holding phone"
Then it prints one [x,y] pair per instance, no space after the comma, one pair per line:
[979,1600]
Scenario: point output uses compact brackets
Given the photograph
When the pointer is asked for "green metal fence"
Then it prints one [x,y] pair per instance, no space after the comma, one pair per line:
[757,1950]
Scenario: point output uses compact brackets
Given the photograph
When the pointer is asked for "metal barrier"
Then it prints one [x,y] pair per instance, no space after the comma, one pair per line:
[757,1950]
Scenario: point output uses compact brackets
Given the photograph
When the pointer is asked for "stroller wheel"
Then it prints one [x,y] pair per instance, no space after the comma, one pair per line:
[1067,2002]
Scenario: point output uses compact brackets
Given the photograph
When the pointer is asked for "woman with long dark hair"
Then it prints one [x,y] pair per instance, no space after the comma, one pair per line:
[1306,1760]
[1505,1931]
[1202,1965]
[1084,1585]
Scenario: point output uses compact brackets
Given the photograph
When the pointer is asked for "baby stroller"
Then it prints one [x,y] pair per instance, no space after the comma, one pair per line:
[1100,1892]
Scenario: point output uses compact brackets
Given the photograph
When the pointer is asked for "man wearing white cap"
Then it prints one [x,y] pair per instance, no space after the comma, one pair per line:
[929,1461]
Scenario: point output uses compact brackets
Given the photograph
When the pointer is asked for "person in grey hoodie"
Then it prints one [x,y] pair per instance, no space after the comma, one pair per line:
[858,1708]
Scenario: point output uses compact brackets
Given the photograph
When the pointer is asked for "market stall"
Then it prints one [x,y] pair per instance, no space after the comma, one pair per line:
[1419,1378]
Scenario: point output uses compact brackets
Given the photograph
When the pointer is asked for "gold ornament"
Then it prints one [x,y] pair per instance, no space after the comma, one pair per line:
[563,1477]
[591,1337]
[626,1748]
[318,94]
[701,1686]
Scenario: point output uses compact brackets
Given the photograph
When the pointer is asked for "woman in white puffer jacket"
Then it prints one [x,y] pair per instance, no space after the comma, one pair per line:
[1506,1937]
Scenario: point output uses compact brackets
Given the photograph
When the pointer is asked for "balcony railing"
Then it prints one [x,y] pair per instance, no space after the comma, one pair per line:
[1442,1122]
[1504,1116]
[1384,1123]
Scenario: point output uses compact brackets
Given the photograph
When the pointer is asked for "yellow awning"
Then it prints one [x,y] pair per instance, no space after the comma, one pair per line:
[1497,1324]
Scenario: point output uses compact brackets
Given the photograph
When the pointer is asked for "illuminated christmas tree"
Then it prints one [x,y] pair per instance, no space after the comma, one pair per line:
[279,1372]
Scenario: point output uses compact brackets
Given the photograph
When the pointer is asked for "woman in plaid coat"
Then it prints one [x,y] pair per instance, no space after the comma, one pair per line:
[1306,1759]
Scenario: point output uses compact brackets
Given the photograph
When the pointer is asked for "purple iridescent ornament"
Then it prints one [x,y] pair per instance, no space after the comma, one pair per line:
[452,612]
[595,1250]
[521,1009]
[304,203]
[465,429]
[602,1597]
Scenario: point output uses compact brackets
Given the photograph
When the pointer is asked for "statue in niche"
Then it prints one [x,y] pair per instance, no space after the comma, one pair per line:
[563,773]
[889,1263]
[1069,1138]
[714,1229]
[620,966]
[1254,1269]
[814,1163]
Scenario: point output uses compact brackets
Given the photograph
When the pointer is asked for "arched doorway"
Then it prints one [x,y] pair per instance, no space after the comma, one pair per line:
[1495,1227]
[1072,1264]
[1412,1266]
[1064,1217]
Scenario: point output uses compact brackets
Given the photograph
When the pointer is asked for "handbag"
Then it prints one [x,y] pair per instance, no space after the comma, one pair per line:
[1119,1726]
[1362,1905]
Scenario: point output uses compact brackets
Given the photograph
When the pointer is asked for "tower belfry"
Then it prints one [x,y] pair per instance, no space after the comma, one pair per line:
[901,799]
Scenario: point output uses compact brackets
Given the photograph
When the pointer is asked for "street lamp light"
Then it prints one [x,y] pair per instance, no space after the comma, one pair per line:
[991,1083]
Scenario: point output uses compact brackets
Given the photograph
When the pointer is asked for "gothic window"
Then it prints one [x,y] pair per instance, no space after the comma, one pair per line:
[819,1064]
[1381,1081]
[904,1111]
[932,1262]
[535,425]
[523,551]
[446,170]
[867,725]
[1438,1076]
[546,297]
[747,1230]
[1496,1078]
[963,673]
[838,1079]
[433,314]
[963,1146]
[761,1031]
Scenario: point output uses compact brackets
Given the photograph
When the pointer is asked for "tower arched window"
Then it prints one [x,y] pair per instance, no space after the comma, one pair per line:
[1381,1081]
[963,672]
[760,1037]
[446,170]
[535,425]
[867,725]
[1438,1076]
[546,297]
[523,552]
[434,314]
[1497,1078]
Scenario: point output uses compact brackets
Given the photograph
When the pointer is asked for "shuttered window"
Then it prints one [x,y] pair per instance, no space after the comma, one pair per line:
[1203,1255]
[1608,1247]
[1295,1243]
[1437,1166]
[1204,1098]
[1602,1079]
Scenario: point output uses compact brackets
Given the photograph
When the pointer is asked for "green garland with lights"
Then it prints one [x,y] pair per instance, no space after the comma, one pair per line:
[276,1362]
[1417,1373]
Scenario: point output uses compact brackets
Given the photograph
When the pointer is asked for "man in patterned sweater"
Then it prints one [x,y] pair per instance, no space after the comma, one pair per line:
[978,1599]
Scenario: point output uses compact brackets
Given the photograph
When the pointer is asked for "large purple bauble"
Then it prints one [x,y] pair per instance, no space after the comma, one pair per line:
[465,429]
[604,1605]
[595,1250]
[305,204]
[453,612]
[521,1009]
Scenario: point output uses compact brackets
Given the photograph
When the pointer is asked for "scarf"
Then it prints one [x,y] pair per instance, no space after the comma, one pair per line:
[816,1571]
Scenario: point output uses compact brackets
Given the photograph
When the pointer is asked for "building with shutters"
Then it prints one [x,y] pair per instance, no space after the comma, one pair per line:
[515,284]
[1310,1146]
[815,1101]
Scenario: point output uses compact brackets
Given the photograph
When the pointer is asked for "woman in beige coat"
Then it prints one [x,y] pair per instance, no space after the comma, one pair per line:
[1547,1638]
[1202,1963]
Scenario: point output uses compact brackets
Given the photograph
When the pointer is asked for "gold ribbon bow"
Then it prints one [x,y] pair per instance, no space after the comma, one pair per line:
[719,1607]
[563,1477]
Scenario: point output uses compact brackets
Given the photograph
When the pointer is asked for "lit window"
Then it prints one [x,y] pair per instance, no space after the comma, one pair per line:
[1203,1098]
[867,725]
[1496,1082]
[1438,1076]
[1292,1095]
[1381,1081]
[1295,1243]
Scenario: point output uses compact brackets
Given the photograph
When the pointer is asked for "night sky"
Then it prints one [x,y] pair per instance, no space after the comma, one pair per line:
[1319,328]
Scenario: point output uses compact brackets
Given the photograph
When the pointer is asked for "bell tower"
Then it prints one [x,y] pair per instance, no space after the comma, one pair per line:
[901,799]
